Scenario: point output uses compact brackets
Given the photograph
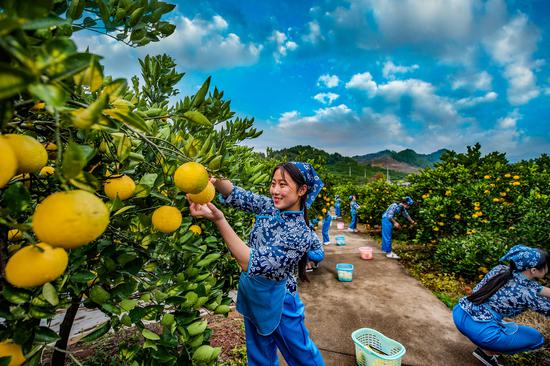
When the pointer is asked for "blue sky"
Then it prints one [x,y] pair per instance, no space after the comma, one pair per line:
[359,76]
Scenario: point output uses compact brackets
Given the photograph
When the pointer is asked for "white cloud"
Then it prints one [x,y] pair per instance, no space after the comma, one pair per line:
[472,101]
[326,98]
[205,45]
[509,121]
[390,69]
[474,81]
[512,47]
[364,82]
[427,106]
[435,20]
[282,45]
[314,35]
[330,81]
[522,84]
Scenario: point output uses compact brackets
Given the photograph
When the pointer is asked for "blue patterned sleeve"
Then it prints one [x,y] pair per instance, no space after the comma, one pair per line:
[316,252]
[539,303]
[247,201]
[405,214]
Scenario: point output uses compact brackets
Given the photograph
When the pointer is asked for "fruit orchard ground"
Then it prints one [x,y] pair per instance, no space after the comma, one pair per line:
[381,296]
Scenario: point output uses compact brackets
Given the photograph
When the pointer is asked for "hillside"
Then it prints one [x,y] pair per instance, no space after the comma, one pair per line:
[364,167]
[411,159]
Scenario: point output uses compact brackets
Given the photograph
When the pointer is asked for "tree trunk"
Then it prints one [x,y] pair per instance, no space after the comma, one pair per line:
[58,357]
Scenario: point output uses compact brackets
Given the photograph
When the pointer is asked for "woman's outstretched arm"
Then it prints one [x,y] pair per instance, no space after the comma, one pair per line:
[236,246]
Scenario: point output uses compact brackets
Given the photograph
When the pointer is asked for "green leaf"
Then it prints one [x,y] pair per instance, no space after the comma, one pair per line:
[165,7]
[166,28]
[199,97]
[99,295]
[45,335]
[197,117]
[149,344]
[92,76]
[16,198]
[16,296]
[128,304]
[5,361]
[75,158]
[52,95]
[131,119]
[41,23]
[82,277]
[148,179]
[150,335]
[50,294]
[123,209]
[97,333]
[72,65]
[13,81]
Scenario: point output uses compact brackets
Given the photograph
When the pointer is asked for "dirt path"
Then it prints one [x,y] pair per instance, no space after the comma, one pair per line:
[381,296]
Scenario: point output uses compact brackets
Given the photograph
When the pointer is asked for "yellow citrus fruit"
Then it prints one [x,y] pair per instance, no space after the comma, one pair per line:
[12,349]
[166,219]
[47,170]
[14,234]
[34,265]
[205,196]
[70,219]
[50,146]
[191,177]
[121,185]
[31,155]
[8,163]
[196,229]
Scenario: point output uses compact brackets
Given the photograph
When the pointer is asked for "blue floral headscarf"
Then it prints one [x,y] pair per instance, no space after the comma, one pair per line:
[408,200]
[523,256]
[313,181]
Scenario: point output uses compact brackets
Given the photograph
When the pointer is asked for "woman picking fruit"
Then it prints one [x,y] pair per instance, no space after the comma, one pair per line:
[276,252]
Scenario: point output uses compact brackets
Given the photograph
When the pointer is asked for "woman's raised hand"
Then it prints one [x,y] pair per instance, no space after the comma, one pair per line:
[207,211]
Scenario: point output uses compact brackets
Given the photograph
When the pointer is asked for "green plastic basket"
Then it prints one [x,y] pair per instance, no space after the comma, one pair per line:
[372,348]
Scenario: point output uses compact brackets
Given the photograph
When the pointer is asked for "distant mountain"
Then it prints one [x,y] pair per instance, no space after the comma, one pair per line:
[410,158]
[363,167]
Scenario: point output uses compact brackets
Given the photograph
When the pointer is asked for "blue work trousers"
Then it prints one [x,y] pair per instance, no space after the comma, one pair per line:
[387,228]
[496,335]
[291,338]
[353,223]
[326,226]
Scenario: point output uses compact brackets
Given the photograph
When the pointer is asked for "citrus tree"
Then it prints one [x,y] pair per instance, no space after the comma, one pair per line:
[474,207]
[94,180]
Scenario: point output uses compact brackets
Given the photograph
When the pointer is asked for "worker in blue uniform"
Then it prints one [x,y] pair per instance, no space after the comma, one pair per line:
[338,206]
[276,254]
[326,225]
[389,222]
[504,292]
[353,207]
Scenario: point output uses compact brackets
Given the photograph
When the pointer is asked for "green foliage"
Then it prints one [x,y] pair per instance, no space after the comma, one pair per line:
[471,255]
[469,192]
[101,126]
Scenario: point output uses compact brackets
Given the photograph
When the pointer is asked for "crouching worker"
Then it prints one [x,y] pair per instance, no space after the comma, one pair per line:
[505,292]
[275,256]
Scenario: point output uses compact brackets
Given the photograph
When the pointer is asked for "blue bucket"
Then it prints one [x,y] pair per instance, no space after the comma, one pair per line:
[345,272]
[340,240]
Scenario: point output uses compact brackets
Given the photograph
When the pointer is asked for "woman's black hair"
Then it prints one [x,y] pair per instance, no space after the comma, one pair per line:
[500,279]
[297,177]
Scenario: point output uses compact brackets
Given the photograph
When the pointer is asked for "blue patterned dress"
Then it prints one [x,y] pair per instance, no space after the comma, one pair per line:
[267,294]
[483,324]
